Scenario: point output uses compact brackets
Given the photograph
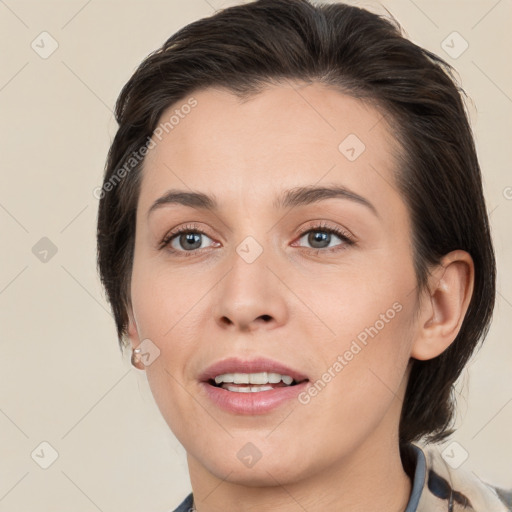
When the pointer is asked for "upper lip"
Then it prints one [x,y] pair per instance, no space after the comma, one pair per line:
[236,365]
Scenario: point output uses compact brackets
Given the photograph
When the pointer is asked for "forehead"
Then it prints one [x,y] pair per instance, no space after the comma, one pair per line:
[285,136]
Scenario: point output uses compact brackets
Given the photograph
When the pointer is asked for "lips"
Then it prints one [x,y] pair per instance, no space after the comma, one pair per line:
[259,401]
[236,365]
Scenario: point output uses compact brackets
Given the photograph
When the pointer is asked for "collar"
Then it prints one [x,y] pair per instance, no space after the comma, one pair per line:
[438,487]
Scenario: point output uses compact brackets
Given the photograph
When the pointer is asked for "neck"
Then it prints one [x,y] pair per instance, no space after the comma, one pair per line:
[370,478]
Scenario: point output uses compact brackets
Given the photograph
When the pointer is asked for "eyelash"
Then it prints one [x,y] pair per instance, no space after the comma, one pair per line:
[323,228]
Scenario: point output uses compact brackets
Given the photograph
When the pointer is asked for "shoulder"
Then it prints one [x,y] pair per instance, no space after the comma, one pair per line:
[448,488]
[186,505]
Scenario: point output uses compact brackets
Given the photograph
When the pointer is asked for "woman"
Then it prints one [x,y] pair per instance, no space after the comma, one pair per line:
[294,240]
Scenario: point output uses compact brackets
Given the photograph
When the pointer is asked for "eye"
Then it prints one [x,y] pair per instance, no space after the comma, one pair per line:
[188,240]
[185,239]
[320,237]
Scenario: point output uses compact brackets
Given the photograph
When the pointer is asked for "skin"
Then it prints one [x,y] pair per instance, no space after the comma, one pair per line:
[339,451]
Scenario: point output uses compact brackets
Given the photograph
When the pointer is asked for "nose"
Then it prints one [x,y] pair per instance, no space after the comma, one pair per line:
[251,296]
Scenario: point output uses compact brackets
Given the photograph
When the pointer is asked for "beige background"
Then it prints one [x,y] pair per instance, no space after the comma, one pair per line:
[63,379]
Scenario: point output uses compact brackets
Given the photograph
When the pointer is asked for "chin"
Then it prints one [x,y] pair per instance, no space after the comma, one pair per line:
[269,470]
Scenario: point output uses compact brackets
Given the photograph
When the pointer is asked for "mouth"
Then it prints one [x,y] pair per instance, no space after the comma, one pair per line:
[239,374]
[251,387]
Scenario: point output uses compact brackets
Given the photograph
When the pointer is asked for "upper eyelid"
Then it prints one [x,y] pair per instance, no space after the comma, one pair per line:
[314,225]
[322,225]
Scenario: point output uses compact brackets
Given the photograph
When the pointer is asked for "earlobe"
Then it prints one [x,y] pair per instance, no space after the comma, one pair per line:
[445,306]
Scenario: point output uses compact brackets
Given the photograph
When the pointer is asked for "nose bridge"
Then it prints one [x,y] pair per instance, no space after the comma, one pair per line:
[250,291]
[252,234]
[249,263]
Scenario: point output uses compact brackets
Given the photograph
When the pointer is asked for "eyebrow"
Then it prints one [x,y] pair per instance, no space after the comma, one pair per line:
[299,196]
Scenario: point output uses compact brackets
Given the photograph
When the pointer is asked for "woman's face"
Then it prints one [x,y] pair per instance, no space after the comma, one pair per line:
[267,278]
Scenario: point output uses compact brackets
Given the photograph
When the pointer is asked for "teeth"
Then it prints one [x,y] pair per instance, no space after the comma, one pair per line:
[227,377]
[247,389]
[253,378]
[241,378]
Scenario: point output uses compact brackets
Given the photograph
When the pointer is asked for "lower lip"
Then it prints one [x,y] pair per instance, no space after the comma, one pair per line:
[251,403]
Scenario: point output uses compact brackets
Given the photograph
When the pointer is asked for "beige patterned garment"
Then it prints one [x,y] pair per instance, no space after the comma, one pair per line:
[444,489]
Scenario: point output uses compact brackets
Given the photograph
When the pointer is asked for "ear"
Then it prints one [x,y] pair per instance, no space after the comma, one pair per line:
[133,335]
[444,305]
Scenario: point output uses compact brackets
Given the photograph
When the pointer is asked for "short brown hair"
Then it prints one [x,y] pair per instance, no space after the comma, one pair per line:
[245,47]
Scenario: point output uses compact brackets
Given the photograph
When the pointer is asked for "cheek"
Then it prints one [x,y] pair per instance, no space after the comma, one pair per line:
[363,302]
[373,338]
[361,365]
[360,389]
[167,310]
[165,303]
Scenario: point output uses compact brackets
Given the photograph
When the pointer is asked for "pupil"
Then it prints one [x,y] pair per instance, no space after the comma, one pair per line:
[318,237]
[189,238]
